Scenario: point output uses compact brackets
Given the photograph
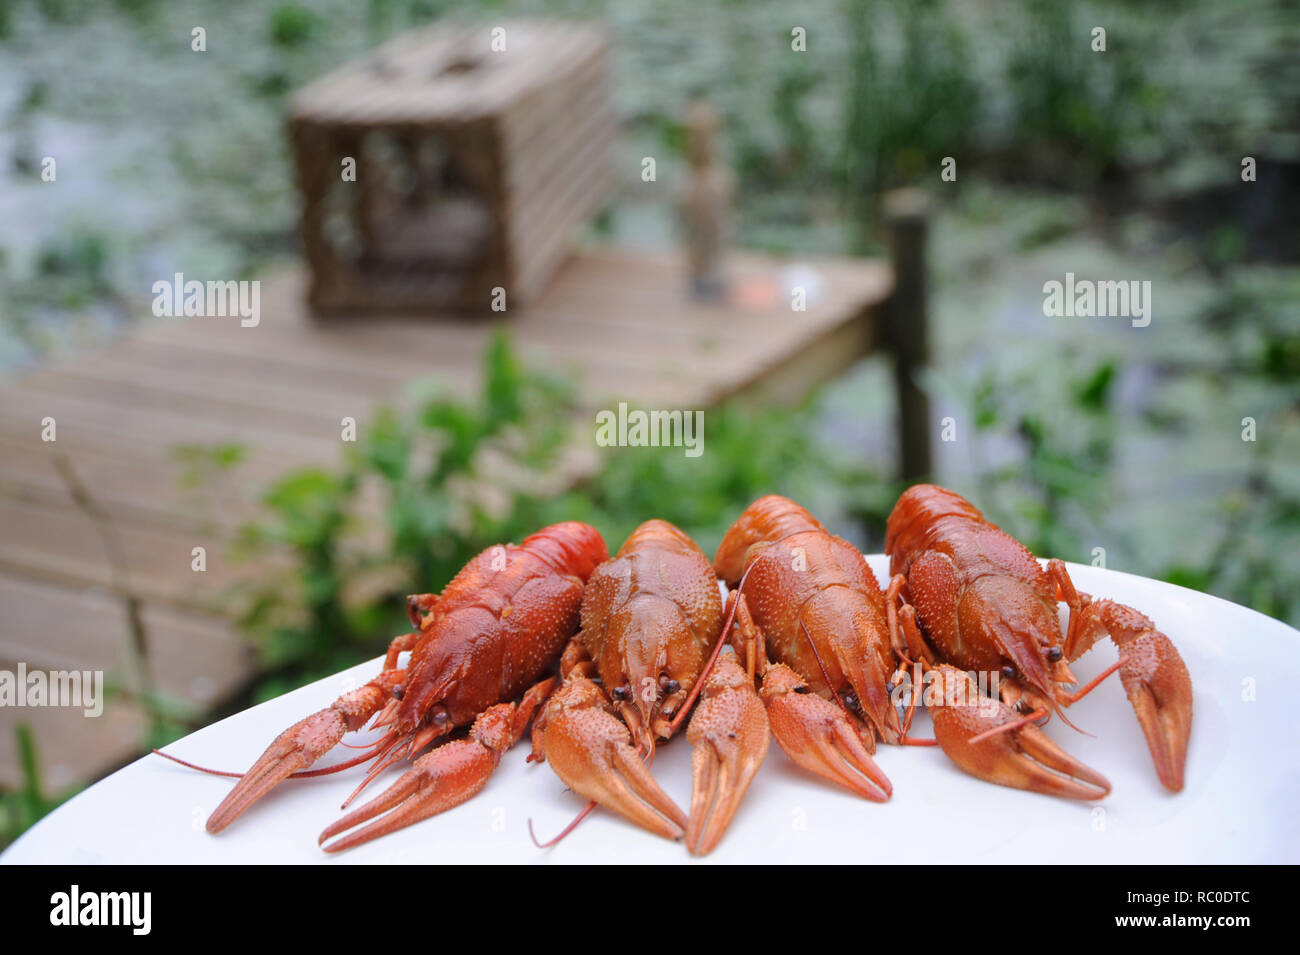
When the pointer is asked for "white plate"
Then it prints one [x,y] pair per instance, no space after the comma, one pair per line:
[1243,778]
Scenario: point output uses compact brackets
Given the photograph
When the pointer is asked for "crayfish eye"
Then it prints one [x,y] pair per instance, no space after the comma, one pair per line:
[399,691]
[1053,654]
[1008,672]
[671,687]
[619,693]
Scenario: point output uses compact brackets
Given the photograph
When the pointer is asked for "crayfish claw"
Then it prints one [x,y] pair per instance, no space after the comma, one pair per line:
[591,750]
[295,749]
[437,781]
[729,735]
[1160,689]
[1020,756]
[819,736]
[303,743]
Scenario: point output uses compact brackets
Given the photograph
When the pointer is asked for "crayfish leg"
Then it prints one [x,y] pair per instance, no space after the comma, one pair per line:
[438,781]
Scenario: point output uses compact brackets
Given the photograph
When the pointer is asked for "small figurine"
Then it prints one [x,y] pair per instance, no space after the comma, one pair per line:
[705,205]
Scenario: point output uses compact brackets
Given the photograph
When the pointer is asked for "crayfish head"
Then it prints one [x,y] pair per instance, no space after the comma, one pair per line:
[1011,626]
[649,666]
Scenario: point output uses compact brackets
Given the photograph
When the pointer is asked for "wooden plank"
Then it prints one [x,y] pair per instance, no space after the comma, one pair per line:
[112,450]
[178,396]
[319,372]
[791,378]
[192,658]
[133,491]
[202,389]
[161,426]
[525,123]
[64,545]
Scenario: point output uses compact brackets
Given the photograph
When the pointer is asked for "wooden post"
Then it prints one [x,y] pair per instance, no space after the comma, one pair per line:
[907,213]
[706,204]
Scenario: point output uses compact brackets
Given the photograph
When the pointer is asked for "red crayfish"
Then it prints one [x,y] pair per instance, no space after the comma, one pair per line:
[968,596]
[490,638]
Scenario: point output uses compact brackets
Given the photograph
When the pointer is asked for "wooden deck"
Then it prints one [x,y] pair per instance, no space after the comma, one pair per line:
[617,321]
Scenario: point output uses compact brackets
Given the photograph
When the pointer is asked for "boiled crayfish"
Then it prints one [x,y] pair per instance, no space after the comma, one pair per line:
[968,596]
[491,637]
[807,600]
[650,618]
[644,640]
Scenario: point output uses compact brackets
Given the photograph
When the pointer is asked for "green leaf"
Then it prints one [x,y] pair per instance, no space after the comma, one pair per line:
[1094,393]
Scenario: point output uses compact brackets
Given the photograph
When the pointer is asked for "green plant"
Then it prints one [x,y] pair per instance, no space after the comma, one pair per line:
[1252,319]
[21,808]
[74,270]
[292,25]
[1074,109]
[909,102]
[1045,496]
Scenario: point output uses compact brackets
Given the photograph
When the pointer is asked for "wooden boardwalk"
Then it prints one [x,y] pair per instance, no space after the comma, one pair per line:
[618,322]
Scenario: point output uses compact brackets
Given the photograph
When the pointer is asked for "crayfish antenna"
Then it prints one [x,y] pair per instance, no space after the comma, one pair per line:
[586,811]
[301,774]
[390,752]
[195,766]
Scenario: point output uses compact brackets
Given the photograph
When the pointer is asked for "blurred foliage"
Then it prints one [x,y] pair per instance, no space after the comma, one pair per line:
[1073,108]
[885,90]
[425,490]
[909,103]
[201,463]
[21,808]
[292,25]
[1225,508]
[1062,474]
[1255,320]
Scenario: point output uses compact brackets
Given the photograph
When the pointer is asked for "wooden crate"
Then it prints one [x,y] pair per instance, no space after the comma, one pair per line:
[474,164]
